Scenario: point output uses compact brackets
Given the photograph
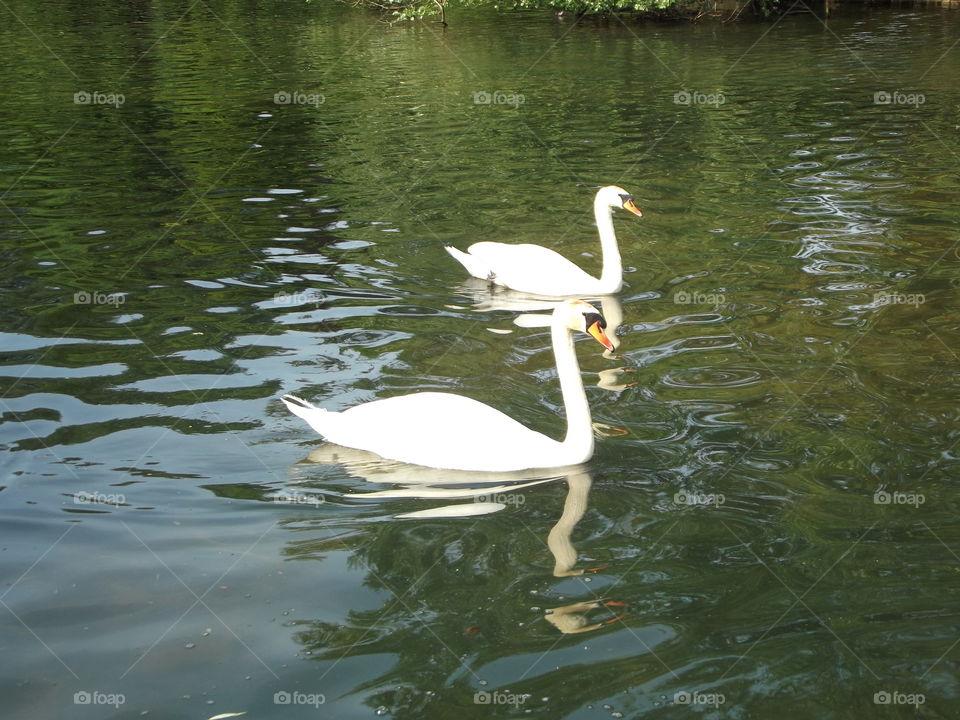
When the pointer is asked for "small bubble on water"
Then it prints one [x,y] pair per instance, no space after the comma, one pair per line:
[382,710]
[190,646]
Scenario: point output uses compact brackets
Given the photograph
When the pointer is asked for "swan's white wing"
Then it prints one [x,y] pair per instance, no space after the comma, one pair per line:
[529,268]
[441,430]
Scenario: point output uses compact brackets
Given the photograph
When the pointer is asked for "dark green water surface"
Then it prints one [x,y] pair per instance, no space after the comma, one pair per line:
[776,499]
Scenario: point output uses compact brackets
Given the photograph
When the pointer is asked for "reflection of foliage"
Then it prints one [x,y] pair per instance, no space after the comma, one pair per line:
[454,600]
[767,7]
[667,9]
[407,9]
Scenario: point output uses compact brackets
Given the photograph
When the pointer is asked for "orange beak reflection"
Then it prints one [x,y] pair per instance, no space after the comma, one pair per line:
[629,205]
[597,332]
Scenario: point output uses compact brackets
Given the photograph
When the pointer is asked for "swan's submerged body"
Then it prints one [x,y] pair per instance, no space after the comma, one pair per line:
[444,430]
[541,271]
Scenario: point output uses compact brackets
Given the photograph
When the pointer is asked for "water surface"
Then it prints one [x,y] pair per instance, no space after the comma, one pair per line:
[780,514]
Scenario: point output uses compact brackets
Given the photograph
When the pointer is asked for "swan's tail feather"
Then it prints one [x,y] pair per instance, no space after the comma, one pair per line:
[292,401]
[469,262]
[312,414]
[459,255]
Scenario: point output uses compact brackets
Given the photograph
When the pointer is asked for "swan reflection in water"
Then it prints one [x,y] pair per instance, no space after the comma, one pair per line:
[426,483]
[488,297]
[415,482]
[575,617]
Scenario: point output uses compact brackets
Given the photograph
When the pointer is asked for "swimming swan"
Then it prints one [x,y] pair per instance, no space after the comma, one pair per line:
[444,430]
[539,270]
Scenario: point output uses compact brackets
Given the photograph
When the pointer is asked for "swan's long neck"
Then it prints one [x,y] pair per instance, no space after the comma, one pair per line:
[611,277]
[579,439]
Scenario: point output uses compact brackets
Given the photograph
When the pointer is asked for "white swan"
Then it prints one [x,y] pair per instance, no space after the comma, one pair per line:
[444,430]
[539,270]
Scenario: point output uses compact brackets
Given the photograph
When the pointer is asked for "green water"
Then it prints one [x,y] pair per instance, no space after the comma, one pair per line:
[175,262]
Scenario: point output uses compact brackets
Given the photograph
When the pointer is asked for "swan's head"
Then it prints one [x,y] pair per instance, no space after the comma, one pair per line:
[582,316]
[613,196]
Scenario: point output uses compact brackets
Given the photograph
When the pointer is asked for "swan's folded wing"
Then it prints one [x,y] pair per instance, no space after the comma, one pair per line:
[532,268]
[440,430]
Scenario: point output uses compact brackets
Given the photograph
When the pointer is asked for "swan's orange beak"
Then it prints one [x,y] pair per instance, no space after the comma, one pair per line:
[597,332]
[629,205]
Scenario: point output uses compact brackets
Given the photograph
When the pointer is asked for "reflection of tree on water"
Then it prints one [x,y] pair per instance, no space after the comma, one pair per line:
[487,297]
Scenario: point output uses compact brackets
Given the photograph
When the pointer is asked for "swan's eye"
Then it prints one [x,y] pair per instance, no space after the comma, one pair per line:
[591,318]
[624,197]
